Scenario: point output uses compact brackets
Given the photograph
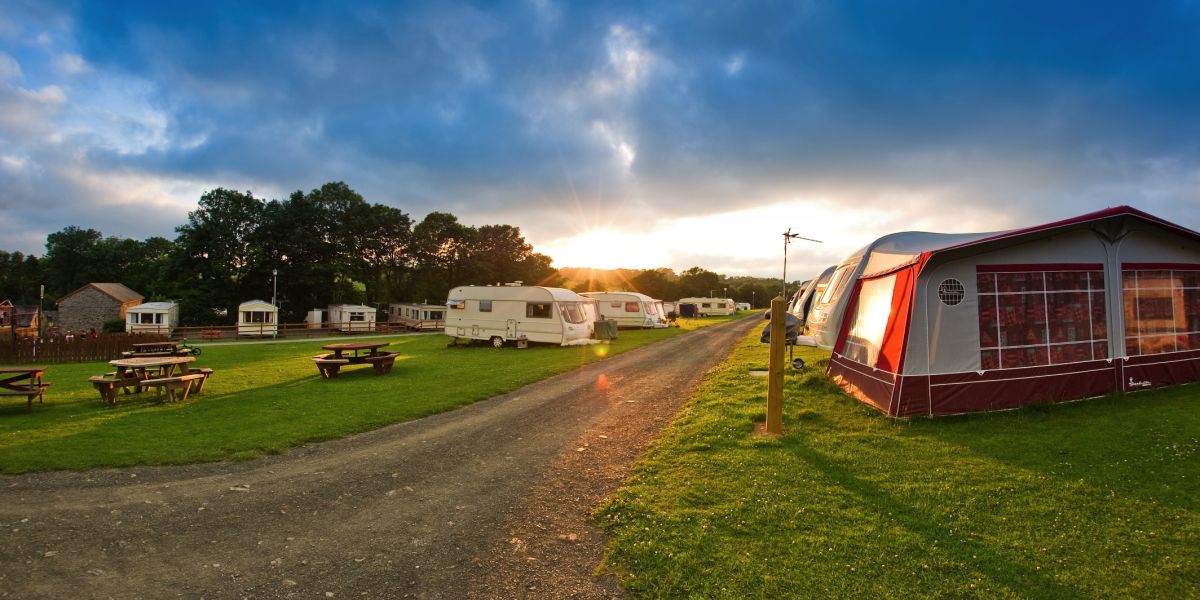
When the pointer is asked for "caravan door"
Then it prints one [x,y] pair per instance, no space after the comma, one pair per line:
[510,329]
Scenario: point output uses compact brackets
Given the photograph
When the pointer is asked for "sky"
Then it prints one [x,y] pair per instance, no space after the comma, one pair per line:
[614,134]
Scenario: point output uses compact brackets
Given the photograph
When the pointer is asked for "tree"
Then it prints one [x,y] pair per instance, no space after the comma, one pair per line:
[698,282]
[69,259]
[215,251]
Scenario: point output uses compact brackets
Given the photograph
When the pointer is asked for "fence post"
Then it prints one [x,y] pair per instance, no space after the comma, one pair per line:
[775,369]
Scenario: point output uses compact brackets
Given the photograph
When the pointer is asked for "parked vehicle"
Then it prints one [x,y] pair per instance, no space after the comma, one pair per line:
[706,307]
[629,309]
[743,306]
[514,312]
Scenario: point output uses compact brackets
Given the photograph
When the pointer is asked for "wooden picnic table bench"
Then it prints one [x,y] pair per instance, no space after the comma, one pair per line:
[23,381]
[348,354]
[174,384]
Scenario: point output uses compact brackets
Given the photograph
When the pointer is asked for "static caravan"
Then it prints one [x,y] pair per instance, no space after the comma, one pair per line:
[152,317]
[743,306]
[422,317]
[706,307]
[629,309]
[350,317]
[933,324]
[257,318]
[519,312]
[314,319]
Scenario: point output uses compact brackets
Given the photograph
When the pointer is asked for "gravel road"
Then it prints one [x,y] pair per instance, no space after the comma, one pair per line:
[490,500]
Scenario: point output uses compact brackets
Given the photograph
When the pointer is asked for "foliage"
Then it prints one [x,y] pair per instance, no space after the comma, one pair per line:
[113,326]
[327,246]
[1091,499]
[266,397]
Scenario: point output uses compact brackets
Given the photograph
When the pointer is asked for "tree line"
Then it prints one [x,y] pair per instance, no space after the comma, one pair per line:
[327,246]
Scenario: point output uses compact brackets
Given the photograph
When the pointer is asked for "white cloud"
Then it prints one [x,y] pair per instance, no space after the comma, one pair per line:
[71,64]
[9,67]
[623,150]
[734,64]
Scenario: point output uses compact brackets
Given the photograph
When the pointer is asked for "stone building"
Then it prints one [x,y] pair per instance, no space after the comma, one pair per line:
[91,305]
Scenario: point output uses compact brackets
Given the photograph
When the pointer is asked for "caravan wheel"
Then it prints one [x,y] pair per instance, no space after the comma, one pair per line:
[497,342]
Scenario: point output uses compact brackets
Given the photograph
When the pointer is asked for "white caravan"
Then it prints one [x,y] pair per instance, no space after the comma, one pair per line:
[519,312]
[630,309]
[707,307]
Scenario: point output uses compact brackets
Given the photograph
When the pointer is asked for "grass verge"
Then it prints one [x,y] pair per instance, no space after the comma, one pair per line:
[1084,500]
[265,398]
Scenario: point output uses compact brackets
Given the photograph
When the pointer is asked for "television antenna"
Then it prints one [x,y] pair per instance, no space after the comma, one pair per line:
[788,236]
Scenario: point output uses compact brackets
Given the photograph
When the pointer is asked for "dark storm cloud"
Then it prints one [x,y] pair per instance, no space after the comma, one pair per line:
[515,109]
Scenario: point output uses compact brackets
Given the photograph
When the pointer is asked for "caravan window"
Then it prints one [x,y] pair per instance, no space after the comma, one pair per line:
[572,312]
[358,316]
[460,304]
[437,315]
[537,310]
[1033,318]
[652,308]
[707,305]
[485,306]
[840,277]
[632,307]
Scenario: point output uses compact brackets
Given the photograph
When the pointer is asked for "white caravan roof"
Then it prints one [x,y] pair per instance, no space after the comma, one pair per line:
[527,293]
[625,296]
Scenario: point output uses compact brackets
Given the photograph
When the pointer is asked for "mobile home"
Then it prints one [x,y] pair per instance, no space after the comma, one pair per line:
[629,309]
[351,317]
[519,312]
[152,317]
[423,317]
[706,307]
[256,317]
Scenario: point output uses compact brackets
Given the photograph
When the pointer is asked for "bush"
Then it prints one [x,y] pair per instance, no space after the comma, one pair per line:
[113,326]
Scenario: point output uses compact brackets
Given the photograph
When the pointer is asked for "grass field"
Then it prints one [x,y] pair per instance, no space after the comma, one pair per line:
[265,398]
[1083,500]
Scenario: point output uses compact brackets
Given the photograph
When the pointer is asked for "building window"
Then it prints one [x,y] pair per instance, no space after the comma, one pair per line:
[537,310]
[632,307]
[485,306]
[1037,318]
[1162,309]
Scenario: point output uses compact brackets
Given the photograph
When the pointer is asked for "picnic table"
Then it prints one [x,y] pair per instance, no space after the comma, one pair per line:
[354,353]
[155,349]
[23,381]
[160,372]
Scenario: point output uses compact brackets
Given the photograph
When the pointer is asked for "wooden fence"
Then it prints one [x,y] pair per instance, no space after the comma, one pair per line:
[106,346]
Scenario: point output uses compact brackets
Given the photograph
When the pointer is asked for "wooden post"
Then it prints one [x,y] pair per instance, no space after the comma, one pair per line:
[775,370]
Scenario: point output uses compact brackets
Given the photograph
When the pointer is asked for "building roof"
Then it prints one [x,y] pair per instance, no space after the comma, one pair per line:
[153,306]
[116,291]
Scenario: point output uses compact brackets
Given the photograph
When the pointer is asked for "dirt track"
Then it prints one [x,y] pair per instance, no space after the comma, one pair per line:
[490,501]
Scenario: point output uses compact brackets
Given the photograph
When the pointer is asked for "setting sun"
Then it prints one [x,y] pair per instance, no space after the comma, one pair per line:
[604,249]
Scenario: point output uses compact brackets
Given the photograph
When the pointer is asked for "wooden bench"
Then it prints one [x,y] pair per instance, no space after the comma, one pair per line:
[210,334]
[329,367]
[204,373]
[109,384]
[173,384]
[35,391]
[382,362]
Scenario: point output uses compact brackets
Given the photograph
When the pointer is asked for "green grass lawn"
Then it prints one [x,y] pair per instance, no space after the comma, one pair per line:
[1084,500]
[264,398]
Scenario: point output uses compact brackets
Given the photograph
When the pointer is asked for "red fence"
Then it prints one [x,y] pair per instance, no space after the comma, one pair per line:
[80,349]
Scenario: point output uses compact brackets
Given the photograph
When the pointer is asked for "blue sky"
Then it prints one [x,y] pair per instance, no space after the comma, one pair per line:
[614,134]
